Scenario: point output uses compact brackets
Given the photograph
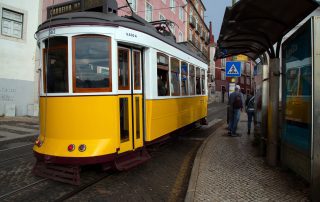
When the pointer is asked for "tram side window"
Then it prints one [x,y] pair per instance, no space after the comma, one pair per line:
[91,63]
[292,81]
[55,62]
[123,63]
[175,77]
[203,80]
[163,74]
[192,80]
[198,82]
[184,78]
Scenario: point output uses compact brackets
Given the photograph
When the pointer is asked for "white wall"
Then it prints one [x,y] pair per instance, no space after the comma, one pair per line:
[18,58]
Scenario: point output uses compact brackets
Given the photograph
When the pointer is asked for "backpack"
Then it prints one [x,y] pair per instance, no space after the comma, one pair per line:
[237,103]
[250,105]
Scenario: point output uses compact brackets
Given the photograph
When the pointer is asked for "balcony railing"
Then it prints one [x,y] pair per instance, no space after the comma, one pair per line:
[192,21]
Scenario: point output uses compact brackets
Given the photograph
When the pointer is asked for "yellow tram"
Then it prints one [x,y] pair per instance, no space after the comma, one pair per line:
[110,86]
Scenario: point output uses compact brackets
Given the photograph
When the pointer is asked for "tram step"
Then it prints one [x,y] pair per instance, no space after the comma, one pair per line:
[128,161]
[66,174]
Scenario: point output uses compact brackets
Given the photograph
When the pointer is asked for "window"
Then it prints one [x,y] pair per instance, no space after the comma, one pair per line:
[149,12]
[164,1]
[198,82]
[91,63]
[162,73]
[123,69]
[202,13]
[12,24]
[248,80]
[223,75]
[248,68]
[242,79]
[180,37]
[223,63]
[55,62]
[184,78]
[190,34]
[124,119]
[172,5]
[161,17]
[137,69]
[175,77]
[197,4]
[181,13]
[191,80]
[133,5]
[203,82]
[172,28]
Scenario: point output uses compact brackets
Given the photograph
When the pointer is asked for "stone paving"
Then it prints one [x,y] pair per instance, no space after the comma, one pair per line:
[18,128]
[229,169]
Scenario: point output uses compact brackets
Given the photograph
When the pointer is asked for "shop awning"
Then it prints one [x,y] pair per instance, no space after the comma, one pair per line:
[252,27]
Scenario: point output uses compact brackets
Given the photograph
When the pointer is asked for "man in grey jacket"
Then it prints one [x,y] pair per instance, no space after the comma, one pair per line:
[235,105]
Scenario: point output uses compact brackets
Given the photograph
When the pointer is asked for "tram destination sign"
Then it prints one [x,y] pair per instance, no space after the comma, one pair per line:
[68,7]
[73,6]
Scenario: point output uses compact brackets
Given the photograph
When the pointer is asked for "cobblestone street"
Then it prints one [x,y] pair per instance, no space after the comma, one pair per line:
[229,169]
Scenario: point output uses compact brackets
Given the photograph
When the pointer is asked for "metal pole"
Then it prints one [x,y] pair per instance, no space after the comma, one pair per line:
[264,107]
[315,152]
[273,112]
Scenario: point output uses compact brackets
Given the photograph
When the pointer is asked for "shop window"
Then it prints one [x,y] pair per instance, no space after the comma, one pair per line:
[191,80]
[184,78]
[123,69]
[198,82]
[163,74]
[55,63]
[175,77]
[91,63]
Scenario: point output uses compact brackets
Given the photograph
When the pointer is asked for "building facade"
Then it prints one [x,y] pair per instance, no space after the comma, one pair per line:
[18,75]
[197,30]
[245,81]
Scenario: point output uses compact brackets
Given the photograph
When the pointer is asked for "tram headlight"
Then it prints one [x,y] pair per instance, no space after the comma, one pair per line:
[71,147]
[82,148]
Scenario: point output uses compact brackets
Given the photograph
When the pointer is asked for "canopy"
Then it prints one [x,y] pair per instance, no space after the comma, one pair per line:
[252,27]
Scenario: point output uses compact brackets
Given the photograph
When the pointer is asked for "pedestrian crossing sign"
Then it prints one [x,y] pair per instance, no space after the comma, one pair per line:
[233,69]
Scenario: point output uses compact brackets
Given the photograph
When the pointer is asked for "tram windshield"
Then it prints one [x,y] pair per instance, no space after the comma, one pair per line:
[92,65]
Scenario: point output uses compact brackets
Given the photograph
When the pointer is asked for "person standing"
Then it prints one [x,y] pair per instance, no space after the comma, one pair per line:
[235,105]
[250,110]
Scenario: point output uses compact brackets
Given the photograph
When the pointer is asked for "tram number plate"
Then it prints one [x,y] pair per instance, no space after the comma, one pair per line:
[132,35]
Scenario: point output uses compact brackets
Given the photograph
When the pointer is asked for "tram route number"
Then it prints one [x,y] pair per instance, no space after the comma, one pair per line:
[131,35]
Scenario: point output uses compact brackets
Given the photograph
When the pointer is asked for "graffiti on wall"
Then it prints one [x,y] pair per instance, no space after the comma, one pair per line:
[7,94]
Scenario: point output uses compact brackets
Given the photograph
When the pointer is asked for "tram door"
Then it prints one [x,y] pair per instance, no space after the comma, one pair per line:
[130,98]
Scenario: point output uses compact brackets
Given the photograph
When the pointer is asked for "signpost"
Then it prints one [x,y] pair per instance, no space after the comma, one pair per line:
[233,69]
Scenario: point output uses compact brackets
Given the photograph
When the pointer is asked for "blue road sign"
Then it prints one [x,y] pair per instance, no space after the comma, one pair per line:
[233,69]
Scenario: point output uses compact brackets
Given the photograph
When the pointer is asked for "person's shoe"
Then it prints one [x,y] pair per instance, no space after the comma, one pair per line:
[248,132]
[229,132]
[235,135]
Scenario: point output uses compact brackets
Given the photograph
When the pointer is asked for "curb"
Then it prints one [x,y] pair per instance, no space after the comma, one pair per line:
[196,165]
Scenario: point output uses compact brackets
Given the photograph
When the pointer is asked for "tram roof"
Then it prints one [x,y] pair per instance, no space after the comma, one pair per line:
[252,27]
[110,19]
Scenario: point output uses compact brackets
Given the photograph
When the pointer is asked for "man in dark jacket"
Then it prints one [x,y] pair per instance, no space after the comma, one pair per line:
[235,105]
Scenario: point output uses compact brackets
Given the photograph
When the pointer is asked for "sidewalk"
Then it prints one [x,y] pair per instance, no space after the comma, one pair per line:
[229,169]
[18,128]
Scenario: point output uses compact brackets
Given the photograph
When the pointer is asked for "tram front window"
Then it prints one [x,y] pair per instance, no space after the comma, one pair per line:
[92,63]
[55,74]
